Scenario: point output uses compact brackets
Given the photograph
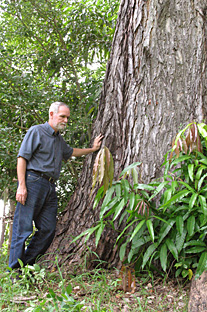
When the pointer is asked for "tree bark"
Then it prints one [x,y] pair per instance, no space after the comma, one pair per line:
[155,83]
[198,299]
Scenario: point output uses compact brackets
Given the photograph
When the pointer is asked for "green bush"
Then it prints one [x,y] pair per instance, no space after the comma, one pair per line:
[171,235]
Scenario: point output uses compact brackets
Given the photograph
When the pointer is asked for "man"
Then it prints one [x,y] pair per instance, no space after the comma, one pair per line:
[38,168]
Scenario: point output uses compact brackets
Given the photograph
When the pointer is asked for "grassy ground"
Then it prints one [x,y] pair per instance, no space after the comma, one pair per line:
[91,291]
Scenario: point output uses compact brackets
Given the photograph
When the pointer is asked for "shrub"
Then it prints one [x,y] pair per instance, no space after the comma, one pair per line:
[173,234]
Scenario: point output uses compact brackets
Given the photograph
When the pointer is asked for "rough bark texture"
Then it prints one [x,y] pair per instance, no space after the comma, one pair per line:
[155,83]
[198,297]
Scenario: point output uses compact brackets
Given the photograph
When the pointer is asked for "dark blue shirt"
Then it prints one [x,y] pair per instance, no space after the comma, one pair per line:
[44,150]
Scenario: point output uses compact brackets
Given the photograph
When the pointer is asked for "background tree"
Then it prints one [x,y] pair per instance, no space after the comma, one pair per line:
[51,50]
[155,83]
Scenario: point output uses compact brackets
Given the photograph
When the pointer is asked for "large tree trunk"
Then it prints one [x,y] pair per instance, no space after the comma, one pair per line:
[155,83]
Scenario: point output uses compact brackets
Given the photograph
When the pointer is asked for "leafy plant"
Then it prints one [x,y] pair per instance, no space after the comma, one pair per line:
[173,234]
[184,202]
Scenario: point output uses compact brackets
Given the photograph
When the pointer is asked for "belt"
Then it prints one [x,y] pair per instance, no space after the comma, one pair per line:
[41,174]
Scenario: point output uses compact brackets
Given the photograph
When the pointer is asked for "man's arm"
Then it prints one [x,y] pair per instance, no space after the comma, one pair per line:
[85,151]
[21,194]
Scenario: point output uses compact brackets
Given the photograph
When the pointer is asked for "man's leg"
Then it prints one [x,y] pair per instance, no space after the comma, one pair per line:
[22,228]
[38,189]
[45,223]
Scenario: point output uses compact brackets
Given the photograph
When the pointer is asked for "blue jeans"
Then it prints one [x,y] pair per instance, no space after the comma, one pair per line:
[40,207]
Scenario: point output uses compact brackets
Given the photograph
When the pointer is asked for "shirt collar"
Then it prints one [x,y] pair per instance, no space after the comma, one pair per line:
[50,130]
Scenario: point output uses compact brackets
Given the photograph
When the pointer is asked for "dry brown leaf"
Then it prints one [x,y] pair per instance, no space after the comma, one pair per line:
[127,277]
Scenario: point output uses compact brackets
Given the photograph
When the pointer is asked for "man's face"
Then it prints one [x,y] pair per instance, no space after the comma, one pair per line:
[58,121]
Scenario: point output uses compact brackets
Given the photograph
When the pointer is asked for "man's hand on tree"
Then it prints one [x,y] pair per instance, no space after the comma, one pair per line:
[97,142]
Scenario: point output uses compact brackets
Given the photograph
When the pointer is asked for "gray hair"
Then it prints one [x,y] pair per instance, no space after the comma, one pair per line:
[54,107]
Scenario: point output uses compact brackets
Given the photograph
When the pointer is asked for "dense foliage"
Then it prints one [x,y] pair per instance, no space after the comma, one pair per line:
[164,223]
[51,51]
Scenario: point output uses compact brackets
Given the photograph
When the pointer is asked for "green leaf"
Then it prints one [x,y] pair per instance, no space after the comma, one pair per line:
[193,200]
[159,189]
[179,224]
[143,187]
[168,195]
[202,201]
[87,232]
[131,200]
[180,239]
[99,232]
[132,252]
[137,228]
[21,263]
[134,175]
[126,189]
[203,161]
[191,225]
[177,197]
[150,229]
[201,181]
[98,197]
[122,217]
[174,185]
[149,252]
[126,227]
[202,265]
[119,209]
[166,230]
[190,171]
[110,207]
[199,172]
[202,129]
[122,251]
[172,248]
[178,272]
[196,249]
[187,186]
[69,289]
[52,293]
[118,189]
[108,196]
[194,243]
[180,159]
[136,243]
[125,185]
[163,257]
[127,169]
[184,273]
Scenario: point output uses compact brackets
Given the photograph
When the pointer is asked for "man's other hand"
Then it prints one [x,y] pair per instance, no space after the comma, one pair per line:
[21,195]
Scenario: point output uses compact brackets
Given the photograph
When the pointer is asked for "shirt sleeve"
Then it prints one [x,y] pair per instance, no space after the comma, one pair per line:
[29,144]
